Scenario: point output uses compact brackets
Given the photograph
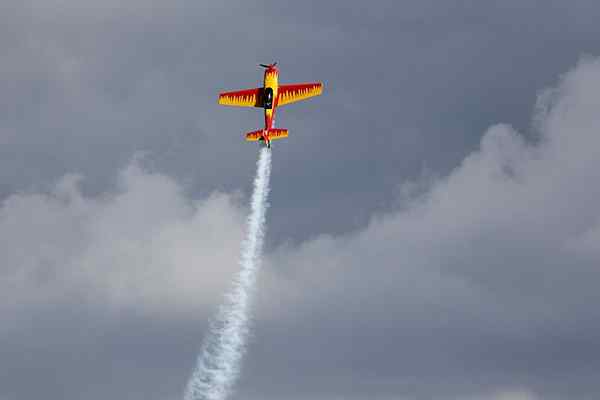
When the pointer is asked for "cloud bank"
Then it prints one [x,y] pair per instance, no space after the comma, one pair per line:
[490,271]
[145,245]
[483,282]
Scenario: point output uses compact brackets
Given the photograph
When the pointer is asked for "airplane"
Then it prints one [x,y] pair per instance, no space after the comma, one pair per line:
[269,97]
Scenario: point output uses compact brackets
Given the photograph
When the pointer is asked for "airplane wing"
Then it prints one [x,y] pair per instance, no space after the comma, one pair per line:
[296,92]
[242,98]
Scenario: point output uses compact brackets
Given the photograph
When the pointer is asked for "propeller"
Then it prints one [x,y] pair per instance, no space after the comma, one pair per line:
[268,65]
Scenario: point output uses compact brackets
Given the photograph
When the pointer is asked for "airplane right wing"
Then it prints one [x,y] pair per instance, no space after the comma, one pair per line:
[299,91]
[242,98]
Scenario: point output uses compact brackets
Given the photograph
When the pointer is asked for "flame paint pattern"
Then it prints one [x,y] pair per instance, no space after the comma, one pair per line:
[241,98]
[292,93]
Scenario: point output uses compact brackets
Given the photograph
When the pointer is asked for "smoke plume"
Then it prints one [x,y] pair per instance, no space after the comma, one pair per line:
[220,358]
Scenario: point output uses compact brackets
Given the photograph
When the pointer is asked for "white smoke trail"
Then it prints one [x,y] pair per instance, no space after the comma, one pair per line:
[220,357]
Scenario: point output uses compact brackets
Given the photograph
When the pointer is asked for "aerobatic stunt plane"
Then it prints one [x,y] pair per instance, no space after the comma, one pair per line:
[269,97]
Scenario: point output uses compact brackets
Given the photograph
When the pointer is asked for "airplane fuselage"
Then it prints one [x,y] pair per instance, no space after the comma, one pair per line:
[270,91]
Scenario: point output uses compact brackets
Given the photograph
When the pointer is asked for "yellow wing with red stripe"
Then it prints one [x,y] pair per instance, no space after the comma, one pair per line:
[296,92]
[242,98]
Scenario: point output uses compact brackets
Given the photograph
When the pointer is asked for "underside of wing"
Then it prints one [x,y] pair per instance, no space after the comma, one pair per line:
[296,92]
[242,98]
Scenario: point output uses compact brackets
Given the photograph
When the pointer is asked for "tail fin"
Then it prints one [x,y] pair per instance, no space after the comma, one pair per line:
[273,134]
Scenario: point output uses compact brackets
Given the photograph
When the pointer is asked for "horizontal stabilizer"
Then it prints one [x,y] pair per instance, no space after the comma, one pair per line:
[273,134]
[254,136]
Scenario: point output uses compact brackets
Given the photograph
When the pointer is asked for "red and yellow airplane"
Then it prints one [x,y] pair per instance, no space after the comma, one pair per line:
[269,97]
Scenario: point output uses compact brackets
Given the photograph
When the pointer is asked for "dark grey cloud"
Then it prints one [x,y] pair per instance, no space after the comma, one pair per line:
[480,285]
[409,85]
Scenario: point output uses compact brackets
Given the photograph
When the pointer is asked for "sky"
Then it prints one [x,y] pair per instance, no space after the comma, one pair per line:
[434,223]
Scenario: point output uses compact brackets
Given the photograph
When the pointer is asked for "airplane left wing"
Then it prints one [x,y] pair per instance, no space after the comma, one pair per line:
[242,98]
[292,93]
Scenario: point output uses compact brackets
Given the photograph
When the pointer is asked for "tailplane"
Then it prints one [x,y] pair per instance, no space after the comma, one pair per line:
[272,134]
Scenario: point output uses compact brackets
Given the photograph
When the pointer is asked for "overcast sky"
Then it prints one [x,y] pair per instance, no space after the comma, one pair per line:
[434,229]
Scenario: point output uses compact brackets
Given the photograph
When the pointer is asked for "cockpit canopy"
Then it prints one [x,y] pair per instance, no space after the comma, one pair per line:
[268,98]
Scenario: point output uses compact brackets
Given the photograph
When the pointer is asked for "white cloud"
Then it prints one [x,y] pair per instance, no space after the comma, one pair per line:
[149,244]
[146,246]
[513,395]
[512,209]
